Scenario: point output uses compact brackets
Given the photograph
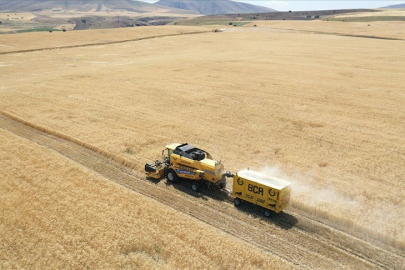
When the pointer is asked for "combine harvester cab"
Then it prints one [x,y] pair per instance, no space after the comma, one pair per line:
[271,193]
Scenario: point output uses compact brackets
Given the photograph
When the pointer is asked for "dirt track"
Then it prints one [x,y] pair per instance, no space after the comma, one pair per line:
[293,236]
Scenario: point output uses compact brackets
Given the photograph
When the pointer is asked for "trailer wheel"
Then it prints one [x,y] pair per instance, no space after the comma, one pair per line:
[172,176]
[195,187]
[267,213]
[222,185]
[237,201]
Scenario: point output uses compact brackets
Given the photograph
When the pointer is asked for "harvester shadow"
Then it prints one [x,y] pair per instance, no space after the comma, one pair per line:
[153,180]
[185,186]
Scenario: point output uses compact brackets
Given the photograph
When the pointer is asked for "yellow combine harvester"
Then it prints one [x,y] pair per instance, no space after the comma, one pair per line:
[188,162]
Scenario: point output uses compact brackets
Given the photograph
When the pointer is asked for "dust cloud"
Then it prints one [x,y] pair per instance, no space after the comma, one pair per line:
[304,188]
[365,216]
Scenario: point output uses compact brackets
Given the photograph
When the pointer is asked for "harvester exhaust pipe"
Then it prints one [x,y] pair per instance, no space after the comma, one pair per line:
[228,174]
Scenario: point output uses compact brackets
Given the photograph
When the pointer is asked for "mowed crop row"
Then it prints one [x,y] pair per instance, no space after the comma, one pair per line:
[56,213]
[324,111]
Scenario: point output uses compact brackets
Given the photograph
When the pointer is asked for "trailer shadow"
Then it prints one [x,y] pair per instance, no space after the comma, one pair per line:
[282,219]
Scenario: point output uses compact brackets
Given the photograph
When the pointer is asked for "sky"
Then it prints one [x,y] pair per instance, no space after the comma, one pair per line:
[298,5]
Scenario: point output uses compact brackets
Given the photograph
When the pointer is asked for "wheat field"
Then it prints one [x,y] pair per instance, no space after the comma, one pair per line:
[43,40]
[376,29]
[324,111]
[380,13]
[56,214]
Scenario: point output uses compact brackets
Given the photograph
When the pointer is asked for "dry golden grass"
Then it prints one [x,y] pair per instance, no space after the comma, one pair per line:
[383,12]
[76,38]
[326,111]
[57,214]
[21,16]
[15,21]
[6,29]
[377,29]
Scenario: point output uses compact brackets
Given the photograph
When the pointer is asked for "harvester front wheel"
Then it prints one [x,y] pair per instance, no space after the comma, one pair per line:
[172,176]
[195,187]
[237,201]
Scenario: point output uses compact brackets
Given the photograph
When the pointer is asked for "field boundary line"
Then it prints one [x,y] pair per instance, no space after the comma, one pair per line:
[103,43]
[338,34]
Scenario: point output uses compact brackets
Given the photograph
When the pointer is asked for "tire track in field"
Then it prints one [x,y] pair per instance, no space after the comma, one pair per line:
[327,236]
[299,240]
[103,43]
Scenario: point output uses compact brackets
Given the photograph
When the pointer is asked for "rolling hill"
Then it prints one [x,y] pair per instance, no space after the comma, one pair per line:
[213,7]
[396,6]
[83,6]
[49,15]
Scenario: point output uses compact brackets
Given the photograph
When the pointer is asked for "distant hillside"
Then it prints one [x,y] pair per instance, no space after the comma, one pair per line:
[82,6]
[241,19]
[396,6]
[213,7]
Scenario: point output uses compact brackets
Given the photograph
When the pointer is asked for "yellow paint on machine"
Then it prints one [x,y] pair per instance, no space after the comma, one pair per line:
[269,192]
[186,167]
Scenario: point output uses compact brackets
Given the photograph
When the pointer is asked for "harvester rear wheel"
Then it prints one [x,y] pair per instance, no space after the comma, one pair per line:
[172,176]
[267,213]
[237,201]
[195,187]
